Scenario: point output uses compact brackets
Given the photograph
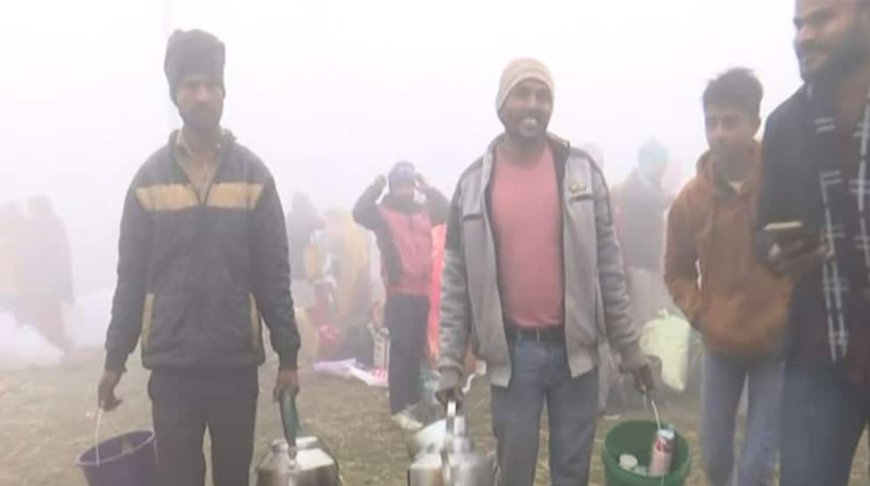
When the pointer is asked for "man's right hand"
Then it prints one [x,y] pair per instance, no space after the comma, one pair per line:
[106,398]
[380,182]
[798,258]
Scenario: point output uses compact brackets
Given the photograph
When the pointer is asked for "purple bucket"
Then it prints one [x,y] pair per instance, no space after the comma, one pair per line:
[126,460]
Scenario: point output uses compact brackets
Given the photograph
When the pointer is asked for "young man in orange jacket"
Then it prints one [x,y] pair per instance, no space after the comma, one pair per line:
[739,306]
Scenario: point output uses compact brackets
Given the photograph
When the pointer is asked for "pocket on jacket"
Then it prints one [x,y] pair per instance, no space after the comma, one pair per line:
[580,197]
[166,322]
[239,318]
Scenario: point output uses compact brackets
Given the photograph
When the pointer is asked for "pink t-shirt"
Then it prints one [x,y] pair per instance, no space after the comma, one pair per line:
[527,222]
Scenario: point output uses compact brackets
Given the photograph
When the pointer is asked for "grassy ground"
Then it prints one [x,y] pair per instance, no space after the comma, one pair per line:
[46,419]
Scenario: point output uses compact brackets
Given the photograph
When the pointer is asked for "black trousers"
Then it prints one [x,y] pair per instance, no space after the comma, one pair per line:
[407,317]
[184,405]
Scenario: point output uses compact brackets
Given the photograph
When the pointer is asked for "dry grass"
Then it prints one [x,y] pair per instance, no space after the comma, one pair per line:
[46,418]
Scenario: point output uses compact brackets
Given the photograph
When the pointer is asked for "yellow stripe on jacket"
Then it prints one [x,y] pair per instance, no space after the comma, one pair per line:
[234,195]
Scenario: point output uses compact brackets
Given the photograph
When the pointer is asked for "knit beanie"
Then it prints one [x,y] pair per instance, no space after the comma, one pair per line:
[402,173]
[519,70]
[193,52]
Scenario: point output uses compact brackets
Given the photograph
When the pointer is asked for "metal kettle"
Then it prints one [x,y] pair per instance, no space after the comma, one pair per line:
[455,463]
[296,461]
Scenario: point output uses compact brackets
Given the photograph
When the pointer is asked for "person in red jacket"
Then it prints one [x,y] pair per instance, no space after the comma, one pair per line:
[403,227]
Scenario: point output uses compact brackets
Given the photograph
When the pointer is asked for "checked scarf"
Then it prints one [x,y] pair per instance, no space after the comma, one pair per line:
[845,194]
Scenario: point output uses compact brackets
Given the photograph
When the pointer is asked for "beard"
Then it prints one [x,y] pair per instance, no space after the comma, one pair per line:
[848,55]
[201,118]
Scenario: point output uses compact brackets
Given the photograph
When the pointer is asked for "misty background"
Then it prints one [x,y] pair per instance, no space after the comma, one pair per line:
[330,93]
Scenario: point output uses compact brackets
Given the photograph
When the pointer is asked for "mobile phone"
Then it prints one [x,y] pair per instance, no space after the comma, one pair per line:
[785,231]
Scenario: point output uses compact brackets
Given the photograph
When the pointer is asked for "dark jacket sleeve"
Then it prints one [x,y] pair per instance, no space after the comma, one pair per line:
[771,195]
[134,255]
[271,270]
[790,188]
[437,205]
[365,211]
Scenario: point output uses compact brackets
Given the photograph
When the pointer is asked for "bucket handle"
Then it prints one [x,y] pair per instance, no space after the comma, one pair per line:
[97,428]
[652,401]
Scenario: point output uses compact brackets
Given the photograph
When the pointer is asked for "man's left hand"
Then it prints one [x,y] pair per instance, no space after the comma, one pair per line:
[643,379]
[288,380]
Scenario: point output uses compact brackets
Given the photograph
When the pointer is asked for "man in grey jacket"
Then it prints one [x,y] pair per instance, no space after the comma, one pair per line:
[532,281]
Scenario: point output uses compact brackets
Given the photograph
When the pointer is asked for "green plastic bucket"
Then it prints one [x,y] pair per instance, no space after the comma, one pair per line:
[635,437]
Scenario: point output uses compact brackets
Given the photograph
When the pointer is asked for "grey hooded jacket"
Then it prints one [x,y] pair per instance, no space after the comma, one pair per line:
[596,300]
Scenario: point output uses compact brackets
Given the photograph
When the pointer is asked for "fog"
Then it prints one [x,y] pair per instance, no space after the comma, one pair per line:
[330,93]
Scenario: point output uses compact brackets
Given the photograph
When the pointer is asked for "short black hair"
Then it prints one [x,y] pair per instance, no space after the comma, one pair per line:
[736,87]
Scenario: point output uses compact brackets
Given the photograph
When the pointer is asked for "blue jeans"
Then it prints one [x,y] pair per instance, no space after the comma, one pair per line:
[540,374]
[723,383]
[824,417]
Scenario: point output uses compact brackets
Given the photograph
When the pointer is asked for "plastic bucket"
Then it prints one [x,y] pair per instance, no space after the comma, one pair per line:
[126,460]
[635,437]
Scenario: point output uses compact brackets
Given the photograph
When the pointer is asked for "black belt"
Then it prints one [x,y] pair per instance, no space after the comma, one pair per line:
[549,334]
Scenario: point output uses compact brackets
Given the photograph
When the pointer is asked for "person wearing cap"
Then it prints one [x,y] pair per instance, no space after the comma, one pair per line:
[641,203]
[533,281]
[403,228]
[203,259]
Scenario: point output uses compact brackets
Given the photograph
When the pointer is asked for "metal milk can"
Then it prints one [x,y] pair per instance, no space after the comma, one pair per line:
[296,461]
[453,463]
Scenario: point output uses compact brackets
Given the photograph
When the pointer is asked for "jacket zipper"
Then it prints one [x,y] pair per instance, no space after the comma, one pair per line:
[201,223]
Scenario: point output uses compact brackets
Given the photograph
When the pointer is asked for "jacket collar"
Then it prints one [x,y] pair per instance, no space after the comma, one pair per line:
[561,152]
[707,175]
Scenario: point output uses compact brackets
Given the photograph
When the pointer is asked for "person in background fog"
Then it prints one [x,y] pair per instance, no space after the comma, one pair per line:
[596,153]
[11,230]
[303,222]
[738,306]
[202,259]
[529,240]
[816,171]
[641,204]
[403,227]
[348,247]
[45,282]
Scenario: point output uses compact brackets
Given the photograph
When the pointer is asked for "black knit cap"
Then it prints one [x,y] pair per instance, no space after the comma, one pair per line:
[193,52]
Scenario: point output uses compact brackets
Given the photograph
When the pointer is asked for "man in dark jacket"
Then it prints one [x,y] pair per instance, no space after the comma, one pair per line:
[202,260]
[303,221]
[815,186]
[403,228]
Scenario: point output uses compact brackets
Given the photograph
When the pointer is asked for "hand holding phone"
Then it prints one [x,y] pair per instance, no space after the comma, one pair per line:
[786,232]
[796,251]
